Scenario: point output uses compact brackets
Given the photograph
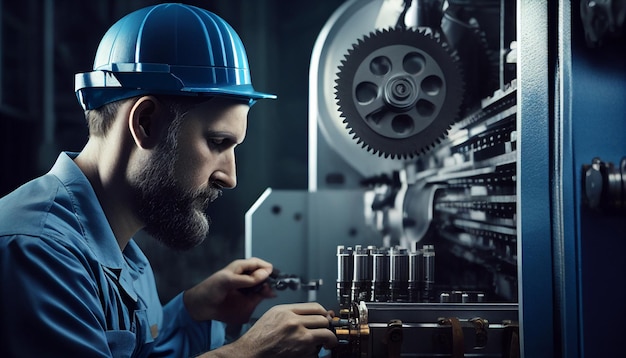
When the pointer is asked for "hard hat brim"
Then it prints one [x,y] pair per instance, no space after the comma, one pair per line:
[97,88]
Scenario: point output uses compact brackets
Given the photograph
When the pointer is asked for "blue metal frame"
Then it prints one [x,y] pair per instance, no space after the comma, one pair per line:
[564,211]
[533,182]
[589,120]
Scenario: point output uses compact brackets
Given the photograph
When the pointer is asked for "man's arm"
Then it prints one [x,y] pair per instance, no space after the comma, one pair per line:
[50,304]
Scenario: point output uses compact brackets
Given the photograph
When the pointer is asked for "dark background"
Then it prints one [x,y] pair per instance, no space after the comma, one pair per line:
[40,116]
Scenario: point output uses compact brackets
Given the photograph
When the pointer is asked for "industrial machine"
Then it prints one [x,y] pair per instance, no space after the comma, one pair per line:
[410,229]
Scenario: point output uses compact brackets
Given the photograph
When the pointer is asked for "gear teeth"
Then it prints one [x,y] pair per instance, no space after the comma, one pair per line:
[366,137]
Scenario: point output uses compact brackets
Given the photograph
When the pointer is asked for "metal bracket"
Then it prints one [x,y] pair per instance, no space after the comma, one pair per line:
[393,338]
[458,341]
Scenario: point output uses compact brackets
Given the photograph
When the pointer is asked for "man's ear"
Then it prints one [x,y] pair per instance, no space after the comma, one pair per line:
[146,122]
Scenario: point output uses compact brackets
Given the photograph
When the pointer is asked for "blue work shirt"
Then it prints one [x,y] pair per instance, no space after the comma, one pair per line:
[67,290]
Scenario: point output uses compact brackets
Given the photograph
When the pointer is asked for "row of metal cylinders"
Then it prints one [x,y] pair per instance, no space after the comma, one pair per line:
[388,274]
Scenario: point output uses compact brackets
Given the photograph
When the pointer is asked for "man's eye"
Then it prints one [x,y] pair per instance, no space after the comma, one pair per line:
[219,143]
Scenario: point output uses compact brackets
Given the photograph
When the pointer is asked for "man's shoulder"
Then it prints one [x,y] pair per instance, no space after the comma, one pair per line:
[38,208]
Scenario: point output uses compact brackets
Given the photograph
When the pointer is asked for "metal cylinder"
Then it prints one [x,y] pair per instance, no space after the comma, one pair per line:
[345,268]
[399,274]
[362,274]
[444,297]
[465,297]
[428,252]
[416,275]
[456,296]
[380,277]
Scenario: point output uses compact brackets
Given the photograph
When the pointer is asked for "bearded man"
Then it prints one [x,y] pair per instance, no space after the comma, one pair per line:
[164,122]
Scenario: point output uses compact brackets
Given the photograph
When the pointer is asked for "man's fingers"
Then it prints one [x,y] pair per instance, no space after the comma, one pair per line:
[324,337]
[249,272]
[309,308]
[314,321]
[250,265]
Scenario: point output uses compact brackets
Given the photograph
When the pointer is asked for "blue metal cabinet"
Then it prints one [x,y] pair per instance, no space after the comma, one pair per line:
[582,115]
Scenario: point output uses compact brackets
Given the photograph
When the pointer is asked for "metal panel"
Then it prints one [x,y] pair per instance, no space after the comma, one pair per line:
[598,116]
[299,231]
[425,336]
[276,232]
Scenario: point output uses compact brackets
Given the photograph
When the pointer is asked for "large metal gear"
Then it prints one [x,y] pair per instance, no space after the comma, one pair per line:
[399,91]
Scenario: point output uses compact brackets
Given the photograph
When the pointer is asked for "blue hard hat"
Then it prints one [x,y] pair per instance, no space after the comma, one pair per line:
[172,49]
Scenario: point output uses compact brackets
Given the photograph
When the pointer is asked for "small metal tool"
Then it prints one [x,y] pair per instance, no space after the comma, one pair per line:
[277,281]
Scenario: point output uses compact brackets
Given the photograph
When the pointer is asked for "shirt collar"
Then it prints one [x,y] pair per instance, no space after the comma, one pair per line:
[96,229]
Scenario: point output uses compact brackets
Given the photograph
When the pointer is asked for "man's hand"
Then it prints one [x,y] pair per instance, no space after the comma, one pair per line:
[219,297]
[291,330]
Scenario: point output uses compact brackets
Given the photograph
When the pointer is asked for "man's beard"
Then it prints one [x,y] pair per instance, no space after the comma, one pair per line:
[173,215]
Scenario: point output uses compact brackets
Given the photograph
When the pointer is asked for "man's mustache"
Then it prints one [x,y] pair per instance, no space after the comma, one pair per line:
[208,195]
[213,193]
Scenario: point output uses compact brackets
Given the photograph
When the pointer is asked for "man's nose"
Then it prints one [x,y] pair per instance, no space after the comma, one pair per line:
[226,175]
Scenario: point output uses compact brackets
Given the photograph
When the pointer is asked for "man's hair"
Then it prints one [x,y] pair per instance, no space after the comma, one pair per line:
[100,120]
